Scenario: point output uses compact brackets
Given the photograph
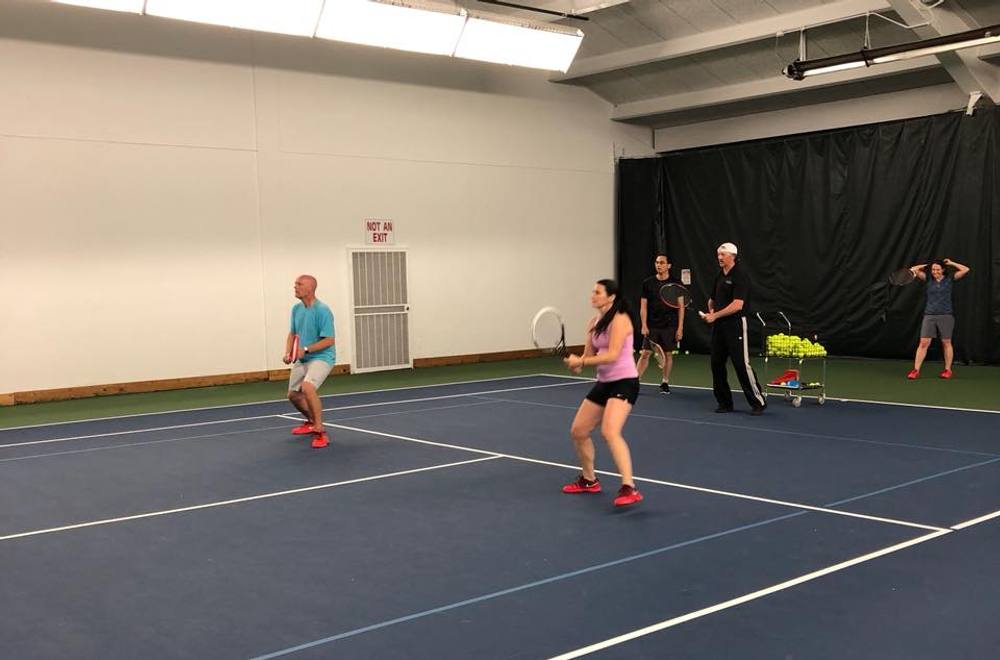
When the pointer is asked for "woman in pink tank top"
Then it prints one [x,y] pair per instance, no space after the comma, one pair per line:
[609,348]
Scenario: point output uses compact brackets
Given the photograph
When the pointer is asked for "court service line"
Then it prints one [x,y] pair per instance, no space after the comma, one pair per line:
[271,401]
[772,431]
[828,397]
[246,419]
[470,404]
[447,396]
[669,623]
[241,500]
[701,489]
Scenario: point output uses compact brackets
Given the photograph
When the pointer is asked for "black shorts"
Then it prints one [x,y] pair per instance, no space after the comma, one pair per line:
[666,336]
[626,389]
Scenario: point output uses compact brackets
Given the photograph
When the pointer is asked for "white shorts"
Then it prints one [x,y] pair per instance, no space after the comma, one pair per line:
[313,371]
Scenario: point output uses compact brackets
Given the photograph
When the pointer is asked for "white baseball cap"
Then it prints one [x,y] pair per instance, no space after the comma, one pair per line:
[728,247]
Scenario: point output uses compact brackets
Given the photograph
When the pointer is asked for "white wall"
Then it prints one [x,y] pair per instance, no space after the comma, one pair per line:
[162,184]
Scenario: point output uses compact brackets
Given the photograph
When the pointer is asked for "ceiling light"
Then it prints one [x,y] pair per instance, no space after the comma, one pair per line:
[799,70]
[521,44]
[422,28]
[296,17]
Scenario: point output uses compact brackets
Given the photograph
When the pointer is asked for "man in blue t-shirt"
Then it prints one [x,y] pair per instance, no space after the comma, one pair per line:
[312,323]
[939,319]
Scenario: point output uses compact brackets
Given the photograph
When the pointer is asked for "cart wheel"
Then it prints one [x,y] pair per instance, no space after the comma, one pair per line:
[821,400]
[797,401]
[788,396]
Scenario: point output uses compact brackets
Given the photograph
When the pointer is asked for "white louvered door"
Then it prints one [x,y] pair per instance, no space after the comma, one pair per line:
[381,310]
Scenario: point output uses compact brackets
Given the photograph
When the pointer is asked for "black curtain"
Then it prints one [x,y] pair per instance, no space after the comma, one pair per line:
[822,219]
[641,227]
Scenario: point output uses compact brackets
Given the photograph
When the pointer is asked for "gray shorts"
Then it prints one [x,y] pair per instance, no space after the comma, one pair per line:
[937,325]
[313,371]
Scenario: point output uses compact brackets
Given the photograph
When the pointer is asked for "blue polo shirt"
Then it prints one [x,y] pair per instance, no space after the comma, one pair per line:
[938,296]
[311,324]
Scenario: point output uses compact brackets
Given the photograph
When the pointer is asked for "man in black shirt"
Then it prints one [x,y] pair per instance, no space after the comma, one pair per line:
[664,325]
[727,313]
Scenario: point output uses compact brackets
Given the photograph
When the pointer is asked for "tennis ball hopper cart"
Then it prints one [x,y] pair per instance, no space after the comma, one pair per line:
[792,364]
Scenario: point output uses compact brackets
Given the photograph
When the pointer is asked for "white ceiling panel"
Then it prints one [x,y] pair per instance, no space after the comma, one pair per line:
[983,12]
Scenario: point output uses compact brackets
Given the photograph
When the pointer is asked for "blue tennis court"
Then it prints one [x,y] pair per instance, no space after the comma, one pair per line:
[434,527]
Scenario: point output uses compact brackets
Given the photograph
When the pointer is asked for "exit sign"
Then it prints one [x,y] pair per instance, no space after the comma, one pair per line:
[379,232]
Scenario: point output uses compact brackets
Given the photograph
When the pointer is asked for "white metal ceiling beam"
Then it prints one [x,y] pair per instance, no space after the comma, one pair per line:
[777,86]
[771,87]
[722,38]
[969,71]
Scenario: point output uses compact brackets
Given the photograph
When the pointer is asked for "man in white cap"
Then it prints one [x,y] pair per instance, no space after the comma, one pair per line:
[727,313]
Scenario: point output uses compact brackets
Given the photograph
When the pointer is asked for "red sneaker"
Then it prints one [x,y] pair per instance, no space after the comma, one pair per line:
[320,440]
[913,374]
[627,495]
[946,373]
[304,429]
[582,485]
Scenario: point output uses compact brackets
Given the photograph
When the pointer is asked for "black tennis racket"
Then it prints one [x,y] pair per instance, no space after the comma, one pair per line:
[548,332]
[901,277]
[675,295]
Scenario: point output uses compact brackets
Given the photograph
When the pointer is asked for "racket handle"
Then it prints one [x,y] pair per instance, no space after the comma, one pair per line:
[702,314]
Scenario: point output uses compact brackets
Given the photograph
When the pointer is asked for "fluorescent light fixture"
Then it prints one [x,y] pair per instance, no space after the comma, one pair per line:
[799,70]
[421,28]
[833,68]
[984,40]
[297,17]
[520,44]
[133,6]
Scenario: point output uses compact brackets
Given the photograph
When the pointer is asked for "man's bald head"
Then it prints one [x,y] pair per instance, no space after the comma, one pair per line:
[305,286]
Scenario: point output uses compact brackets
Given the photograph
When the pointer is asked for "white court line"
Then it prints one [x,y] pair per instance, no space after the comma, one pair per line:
[127,445]
[829,397]
[243,419]
[268,401]
[711,491]
[770,430]
[240,500]
[448,396]
[212,435]
[976,521]
[669,623]
[148,430]
[807,507]
[413,411]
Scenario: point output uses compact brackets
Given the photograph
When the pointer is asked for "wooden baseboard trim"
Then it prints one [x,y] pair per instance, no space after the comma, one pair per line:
[67,393]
